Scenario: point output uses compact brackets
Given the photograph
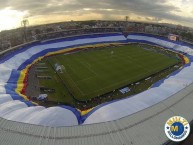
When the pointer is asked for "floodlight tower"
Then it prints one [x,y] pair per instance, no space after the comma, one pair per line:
[126,22]
[24,24]
[126,18]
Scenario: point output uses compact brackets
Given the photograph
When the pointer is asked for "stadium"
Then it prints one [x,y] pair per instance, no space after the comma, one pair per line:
[104,86]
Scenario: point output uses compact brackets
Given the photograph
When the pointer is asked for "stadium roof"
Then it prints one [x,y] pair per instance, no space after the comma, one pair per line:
[144,127]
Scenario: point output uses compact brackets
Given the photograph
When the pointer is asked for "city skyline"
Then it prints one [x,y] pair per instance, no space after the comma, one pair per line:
[50,11]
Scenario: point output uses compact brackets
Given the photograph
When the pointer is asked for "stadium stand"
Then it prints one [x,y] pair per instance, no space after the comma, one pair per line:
[14,68]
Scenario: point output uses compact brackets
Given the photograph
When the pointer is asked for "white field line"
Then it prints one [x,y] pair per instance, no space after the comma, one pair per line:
[88,66]
[82,93]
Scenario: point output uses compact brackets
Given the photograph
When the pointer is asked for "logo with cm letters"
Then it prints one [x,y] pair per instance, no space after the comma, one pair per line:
[177,128]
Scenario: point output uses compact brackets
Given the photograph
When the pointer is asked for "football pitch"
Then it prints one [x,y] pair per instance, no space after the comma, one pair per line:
[90,73]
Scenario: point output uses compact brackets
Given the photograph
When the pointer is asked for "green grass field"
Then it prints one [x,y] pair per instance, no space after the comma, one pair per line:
[90,73]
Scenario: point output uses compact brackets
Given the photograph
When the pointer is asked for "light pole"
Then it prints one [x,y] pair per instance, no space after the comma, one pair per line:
[24,24]
[126,18]
[126,22]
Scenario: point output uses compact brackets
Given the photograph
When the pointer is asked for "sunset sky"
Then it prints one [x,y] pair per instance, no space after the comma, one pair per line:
[47,11]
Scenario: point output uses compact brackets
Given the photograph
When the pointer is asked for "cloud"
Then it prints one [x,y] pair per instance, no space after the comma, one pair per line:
[157,10]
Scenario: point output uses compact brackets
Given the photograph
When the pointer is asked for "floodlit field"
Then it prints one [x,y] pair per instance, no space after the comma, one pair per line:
[90,73]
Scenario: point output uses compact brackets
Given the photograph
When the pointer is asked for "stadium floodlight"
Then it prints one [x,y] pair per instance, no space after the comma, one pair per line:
[126,18]
[24,24]
[126,22]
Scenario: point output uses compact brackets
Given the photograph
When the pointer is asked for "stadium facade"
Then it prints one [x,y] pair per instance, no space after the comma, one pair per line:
[134,120]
